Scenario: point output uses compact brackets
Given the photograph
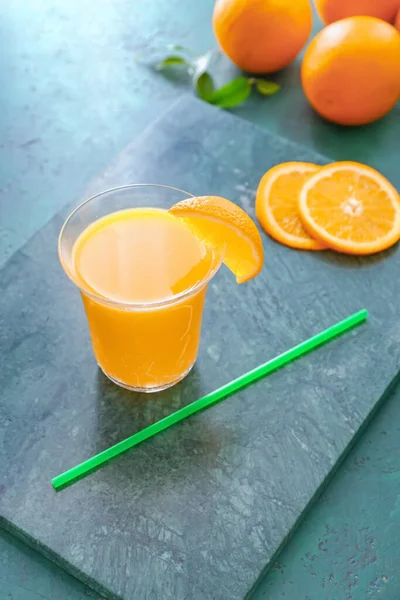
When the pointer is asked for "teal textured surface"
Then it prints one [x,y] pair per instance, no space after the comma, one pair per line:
[56,135]
[203,480]
[232,387]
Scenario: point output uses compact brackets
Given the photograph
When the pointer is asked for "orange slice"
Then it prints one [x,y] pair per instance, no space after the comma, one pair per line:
[222,224]
[351,208]
[277,204]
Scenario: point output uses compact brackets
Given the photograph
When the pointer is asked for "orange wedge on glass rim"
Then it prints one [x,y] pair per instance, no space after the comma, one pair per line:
[225,226]
[351,208]
[277,203]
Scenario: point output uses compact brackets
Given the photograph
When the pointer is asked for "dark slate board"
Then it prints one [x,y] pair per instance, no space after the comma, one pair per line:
[198,512]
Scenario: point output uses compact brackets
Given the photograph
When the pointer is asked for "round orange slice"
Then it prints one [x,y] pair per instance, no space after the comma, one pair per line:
[277,202]
[351,208]
[225,226]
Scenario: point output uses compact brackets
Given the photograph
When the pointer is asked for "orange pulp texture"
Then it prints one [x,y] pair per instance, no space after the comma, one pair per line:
[277,204]
[130,260]
[225,226]
[351,208]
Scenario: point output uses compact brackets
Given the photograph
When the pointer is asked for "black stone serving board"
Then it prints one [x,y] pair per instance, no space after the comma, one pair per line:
[198,512]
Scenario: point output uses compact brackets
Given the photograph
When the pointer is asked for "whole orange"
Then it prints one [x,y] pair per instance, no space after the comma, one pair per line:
[333,10]
[397,20]
[261,36]
[351,70]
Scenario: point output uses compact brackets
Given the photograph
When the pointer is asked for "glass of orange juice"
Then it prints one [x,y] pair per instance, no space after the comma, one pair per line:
[143,279]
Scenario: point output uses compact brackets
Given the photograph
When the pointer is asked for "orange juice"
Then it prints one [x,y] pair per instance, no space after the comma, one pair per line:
[143,278]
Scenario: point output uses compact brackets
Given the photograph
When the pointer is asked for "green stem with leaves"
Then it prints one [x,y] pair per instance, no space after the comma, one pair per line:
[229,95]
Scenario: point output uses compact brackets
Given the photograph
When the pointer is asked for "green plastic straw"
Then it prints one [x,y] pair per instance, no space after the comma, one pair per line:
[93,463]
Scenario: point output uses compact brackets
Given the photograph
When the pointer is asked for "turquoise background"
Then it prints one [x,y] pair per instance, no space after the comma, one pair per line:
[72,96]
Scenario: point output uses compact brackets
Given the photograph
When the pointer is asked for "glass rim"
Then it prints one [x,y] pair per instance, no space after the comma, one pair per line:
[130,305]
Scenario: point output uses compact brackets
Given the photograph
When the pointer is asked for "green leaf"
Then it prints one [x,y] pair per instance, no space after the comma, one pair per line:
[205,86]
[233,93]
[267,88]
[202,81]
[171,61]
